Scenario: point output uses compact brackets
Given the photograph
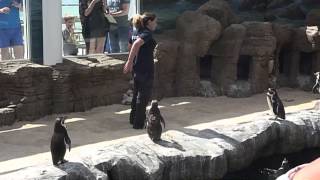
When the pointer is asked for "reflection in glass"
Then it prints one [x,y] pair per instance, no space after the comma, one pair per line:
[92,32]
[117,38]
[168,10]
[12,35]
[70,8]
[69,37]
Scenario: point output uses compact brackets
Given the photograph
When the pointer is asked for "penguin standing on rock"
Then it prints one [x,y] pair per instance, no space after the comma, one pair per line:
[154,121]
[58,141]
[275,104]
[316,87]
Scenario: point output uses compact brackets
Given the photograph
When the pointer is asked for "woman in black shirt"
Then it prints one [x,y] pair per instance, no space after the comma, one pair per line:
[140,61]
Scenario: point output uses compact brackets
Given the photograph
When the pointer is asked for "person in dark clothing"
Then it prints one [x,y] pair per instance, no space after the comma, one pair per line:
[140,63]
[94,25]
[118,35]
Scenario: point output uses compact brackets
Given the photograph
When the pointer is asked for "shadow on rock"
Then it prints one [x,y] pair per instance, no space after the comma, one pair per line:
[172,144]
[210,134]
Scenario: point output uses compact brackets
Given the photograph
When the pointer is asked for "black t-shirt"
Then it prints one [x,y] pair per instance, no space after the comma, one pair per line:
[143,65]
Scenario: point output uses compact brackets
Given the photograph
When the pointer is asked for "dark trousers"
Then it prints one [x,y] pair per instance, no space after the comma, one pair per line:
[141,96]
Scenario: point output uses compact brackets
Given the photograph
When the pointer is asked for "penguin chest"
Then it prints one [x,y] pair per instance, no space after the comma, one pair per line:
[58,142]
[154,130]
[270,105]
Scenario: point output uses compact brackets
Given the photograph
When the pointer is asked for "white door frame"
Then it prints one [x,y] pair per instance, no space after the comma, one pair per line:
[52,31]
[26,29]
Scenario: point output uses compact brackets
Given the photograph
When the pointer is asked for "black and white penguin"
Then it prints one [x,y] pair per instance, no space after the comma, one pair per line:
[59,140]
[275,104]
[274,173]
[316,87]
[154,121]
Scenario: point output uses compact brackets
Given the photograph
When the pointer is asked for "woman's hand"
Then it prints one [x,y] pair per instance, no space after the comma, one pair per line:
[16,5]
[95,1]
[127,67]
[4,10]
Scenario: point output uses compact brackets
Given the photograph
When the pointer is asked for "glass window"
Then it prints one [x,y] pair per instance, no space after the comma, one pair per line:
[168,10]
[14,33]
[96,26]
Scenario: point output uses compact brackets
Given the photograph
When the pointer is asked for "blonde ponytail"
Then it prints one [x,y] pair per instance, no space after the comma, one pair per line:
[137,21]
[141,21]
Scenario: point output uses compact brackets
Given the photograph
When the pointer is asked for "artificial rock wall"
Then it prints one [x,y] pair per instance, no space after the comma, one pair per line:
[190,153]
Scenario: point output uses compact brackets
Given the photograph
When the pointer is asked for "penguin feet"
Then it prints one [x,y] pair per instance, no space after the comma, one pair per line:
[63,161]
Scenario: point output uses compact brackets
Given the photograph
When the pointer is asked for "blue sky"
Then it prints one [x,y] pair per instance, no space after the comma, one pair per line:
[70,1]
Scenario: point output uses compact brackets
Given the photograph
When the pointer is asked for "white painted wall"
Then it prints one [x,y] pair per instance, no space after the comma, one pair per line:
[52,31]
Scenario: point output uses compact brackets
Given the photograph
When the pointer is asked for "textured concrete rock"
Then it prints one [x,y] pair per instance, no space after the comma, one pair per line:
[78,84]
[313,18]
[7,116]
[165,54]
[198,30]
[87,83]
[226,52]
[67,171]
[207,89]
[239,89]
[43,172]
[305,82]
[219,10]
[195,32]
[283,33]
[28,85]
[259,40]
[206,152]
[300,41]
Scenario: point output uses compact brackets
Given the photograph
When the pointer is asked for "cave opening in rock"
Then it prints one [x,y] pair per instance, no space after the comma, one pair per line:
[244,67]
[305,63]
[205,67]
[283,62]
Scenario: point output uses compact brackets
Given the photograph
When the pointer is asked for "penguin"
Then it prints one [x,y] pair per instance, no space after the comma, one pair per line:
[316,87]
[59,140]
[274,173]
[154,121]
[275,104]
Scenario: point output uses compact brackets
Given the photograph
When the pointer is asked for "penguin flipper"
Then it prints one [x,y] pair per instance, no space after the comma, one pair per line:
[280,111]
[162,120]
[67,140]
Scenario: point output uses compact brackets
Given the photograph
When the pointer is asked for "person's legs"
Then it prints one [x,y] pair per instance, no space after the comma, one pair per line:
[133,102]
[100,44]
[114,40]
[92,47]
[5,44]
[5,54]
[123,38]
[87,42]
[17,43]
[143,97]
[107,44]
[18,52]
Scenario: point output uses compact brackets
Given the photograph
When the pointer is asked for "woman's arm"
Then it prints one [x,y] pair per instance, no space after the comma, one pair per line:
[133,53]
[124,10]
[17,4]
[4,10]
[90,7]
